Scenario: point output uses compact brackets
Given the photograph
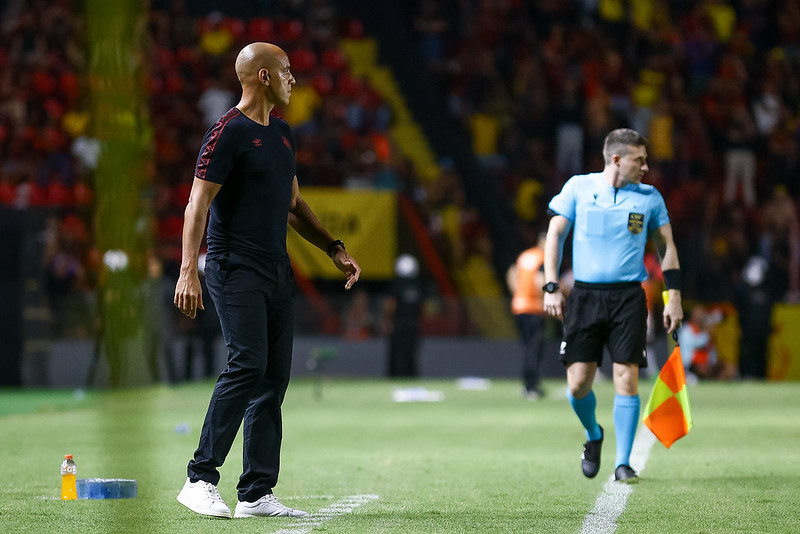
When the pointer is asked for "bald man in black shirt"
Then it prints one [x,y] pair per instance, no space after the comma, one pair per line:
[245,175]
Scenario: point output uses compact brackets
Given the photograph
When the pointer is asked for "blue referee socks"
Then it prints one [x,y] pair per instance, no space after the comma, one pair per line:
[626,419]
[585,409]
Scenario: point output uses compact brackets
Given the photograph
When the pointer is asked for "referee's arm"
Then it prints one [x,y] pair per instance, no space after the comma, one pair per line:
[554,244]
[665,244]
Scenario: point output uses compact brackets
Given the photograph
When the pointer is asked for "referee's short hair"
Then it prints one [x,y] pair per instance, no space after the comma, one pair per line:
[620,141]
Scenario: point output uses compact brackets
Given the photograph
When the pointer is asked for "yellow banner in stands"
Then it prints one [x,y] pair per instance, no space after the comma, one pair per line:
[365,220]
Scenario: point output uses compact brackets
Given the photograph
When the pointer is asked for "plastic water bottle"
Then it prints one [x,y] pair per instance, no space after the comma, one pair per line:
[68,472]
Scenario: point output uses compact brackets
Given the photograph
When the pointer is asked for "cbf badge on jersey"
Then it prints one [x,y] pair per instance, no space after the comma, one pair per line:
[635,222]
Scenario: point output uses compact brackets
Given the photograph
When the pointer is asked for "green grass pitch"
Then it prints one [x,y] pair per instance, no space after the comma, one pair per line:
[478,461]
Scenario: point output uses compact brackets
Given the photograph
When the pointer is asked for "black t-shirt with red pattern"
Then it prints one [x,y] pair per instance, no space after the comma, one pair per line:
[255,164]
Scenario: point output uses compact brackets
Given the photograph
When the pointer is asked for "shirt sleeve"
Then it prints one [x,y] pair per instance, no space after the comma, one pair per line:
[564,202]
[216,154]
[660,215]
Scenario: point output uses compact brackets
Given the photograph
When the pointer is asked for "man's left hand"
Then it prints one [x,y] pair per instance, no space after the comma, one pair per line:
[345,263]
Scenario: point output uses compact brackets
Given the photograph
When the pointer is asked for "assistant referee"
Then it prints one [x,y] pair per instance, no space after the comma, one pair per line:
[612,214]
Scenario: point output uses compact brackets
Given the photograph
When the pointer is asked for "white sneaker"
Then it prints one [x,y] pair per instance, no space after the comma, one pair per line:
[203,498]
[266,506]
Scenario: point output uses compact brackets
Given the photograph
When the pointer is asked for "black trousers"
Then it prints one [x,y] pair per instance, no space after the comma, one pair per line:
[256,313]
[531,330]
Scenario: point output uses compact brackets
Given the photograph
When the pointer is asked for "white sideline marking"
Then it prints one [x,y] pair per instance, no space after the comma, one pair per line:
[344,506]
[611,503]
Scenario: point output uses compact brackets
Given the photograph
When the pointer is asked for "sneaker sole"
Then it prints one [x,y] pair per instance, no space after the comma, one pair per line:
[244,515]
[209,513]
[634,480]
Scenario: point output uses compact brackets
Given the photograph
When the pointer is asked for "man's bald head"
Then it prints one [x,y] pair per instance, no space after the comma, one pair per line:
[253,58]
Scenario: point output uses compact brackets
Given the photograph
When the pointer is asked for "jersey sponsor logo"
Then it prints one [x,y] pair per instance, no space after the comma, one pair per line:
[635,222]
[256,142]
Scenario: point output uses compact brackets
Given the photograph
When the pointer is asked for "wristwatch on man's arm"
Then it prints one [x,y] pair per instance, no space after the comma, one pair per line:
[550,287]
[332,246]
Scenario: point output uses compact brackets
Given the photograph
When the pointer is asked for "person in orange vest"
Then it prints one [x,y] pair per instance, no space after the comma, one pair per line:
[698,349]
[525,280]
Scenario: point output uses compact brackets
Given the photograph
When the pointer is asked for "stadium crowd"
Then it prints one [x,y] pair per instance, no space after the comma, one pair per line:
[715,86]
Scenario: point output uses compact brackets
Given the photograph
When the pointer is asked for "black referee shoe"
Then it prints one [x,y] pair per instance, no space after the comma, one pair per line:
[626,475]
[590,461]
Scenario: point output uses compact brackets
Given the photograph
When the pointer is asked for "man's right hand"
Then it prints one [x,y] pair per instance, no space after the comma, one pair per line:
[189,295]
[554,304]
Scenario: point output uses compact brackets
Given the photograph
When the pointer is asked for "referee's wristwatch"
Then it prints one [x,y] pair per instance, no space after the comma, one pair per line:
[550,287]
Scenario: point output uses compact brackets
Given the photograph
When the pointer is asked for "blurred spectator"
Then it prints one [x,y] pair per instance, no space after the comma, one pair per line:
[431,24]
[358,322]
[569,129]
[159,318]
[740,156]
[215,101]
[754,306]
[698,350]
[780,243]
[525,280]
[402,310]
[305,102]
[216,38]
[86,151]
[486,129]
[474,236]
[767,109]
[65,277]
[782,156]
[321,21]
[662,135]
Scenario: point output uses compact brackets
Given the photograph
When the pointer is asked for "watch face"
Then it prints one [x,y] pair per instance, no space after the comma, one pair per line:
[550,287]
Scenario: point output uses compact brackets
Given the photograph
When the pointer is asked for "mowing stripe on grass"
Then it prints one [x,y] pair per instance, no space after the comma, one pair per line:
[345,506]
[611,503]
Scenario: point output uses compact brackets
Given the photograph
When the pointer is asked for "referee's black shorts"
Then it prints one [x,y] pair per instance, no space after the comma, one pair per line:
[599,315]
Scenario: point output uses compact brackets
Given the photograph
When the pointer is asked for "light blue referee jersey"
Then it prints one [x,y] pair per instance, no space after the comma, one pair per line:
[610,227]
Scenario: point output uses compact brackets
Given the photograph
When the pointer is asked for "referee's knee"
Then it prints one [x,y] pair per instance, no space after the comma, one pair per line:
[580,376]
[579,391]
[626,379]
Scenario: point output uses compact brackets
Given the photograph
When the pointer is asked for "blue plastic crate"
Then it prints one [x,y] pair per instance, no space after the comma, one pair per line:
[106,488]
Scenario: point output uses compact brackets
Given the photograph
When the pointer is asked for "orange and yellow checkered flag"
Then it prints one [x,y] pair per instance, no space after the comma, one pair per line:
[667,413]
